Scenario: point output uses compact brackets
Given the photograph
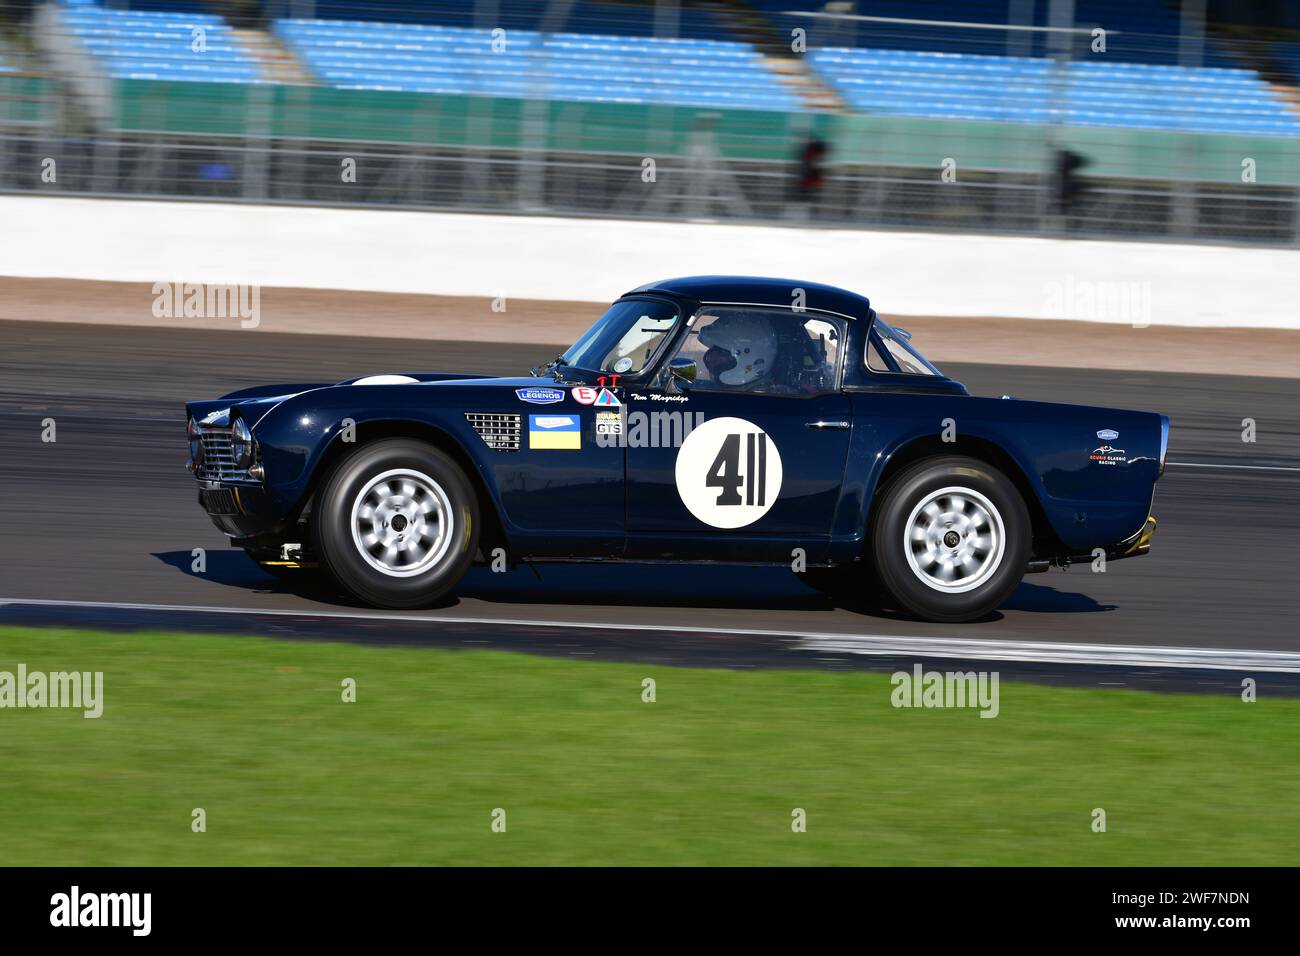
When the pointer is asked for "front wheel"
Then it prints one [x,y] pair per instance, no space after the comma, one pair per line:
[951,539]
[397,524]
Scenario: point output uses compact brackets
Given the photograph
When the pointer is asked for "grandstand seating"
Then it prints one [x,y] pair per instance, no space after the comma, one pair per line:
[606,54]
[156,45]
[1138,31]
[1023,89]
[1287,56]
[572,66]
[586,16]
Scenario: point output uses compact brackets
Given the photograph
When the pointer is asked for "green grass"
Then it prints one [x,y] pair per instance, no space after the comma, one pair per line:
[254,731]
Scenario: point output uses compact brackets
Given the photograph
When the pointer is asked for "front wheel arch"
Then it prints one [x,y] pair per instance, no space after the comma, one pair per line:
[491,530]
[398,523]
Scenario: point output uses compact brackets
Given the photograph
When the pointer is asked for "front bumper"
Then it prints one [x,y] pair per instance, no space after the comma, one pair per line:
[238,509]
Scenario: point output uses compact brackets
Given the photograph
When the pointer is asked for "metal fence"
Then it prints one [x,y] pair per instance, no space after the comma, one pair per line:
[877,174]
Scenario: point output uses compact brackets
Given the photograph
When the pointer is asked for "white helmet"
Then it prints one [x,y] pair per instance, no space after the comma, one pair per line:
[742,348]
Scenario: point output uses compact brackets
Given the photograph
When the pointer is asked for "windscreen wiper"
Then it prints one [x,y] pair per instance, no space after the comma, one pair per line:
[553,364]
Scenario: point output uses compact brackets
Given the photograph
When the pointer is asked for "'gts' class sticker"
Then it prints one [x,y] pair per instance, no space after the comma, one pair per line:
[728,472]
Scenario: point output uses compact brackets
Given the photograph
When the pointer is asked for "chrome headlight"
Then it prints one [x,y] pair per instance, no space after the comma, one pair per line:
[241,443]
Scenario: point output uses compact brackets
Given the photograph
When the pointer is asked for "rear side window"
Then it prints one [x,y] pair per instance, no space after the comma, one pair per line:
[888,350]
[875,361]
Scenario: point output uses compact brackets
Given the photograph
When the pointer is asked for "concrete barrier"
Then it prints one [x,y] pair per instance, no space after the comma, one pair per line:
[538,257]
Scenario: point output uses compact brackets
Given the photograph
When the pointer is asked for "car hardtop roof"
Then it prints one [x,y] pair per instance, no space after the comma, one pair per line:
[752,290]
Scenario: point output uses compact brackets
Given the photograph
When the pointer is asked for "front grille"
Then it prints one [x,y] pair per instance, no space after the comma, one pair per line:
[499,430]
[217,459]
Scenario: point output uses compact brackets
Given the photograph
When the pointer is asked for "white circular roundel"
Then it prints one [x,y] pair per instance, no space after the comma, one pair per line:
[728,472]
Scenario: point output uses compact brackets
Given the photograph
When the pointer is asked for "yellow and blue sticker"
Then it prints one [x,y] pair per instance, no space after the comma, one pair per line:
[554,431]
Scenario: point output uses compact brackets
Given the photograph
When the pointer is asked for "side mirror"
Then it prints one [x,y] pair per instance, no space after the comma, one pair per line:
[682,370]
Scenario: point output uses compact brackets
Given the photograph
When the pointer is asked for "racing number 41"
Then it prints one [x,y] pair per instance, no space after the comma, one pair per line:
[725,475]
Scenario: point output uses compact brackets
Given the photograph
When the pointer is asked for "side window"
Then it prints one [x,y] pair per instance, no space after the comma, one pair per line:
[761,351]
[638,344]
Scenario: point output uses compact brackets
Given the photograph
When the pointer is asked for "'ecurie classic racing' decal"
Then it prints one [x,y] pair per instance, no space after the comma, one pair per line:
[1106,455]
[728,472]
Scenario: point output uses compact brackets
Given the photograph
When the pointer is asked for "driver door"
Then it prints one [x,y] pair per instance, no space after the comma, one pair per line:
[747,469]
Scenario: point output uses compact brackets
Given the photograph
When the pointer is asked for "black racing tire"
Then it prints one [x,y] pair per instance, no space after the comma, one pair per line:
[951,539]
[396,524]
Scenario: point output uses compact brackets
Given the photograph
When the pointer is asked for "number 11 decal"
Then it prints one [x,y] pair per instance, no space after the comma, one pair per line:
[728,472]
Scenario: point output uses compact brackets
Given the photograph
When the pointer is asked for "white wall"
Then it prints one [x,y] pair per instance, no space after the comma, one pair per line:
[595,260]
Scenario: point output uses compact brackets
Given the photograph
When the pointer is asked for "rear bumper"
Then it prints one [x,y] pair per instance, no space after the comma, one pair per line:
[1134,546]
[1137,544]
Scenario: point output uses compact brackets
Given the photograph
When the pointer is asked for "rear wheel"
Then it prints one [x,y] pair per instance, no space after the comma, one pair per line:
[397,524]
[951,539]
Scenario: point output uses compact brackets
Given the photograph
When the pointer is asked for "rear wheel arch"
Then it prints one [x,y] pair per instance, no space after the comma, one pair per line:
[1045,540]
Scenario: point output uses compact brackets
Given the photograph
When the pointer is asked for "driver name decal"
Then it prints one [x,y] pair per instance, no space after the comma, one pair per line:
[728,472]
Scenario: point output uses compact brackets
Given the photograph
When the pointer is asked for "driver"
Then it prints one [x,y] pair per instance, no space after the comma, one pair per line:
[742,349]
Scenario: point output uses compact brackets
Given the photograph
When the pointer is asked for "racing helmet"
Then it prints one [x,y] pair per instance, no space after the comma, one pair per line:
[742,348]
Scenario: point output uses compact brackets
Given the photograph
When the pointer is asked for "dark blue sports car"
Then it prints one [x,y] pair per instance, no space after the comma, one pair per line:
[719,419]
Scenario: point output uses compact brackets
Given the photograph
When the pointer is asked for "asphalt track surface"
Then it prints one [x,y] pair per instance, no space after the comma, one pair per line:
[97,529]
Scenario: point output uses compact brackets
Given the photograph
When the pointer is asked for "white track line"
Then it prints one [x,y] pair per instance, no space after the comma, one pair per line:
[892,645]
[1201,464]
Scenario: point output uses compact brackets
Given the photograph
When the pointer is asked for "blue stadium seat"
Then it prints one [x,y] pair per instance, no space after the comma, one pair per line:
[159,44]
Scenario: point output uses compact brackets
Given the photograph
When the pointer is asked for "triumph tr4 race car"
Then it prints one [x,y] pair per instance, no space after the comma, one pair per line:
[709,419]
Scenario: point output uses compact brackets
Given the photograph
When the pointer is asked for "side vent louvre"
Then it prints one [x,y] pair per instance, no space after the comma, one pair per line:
[499,430]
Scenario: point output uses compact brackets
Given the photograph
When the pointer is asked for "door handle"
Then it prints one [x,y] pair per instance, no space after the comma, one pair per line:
[822,424]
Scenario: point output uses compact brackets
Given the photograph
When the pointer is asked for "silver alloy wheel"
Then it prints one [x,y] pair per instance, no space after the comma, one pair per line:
[402,522]
[954,539]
